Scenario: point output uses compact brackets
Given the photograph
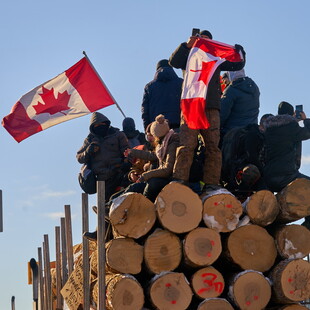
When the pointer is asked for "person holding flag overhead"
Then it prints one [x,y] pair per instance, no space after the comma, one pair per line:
[202,60]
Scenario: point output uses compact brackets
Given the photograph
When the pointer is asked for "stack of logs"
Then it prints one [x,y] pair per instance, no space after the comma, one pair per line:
[207,253]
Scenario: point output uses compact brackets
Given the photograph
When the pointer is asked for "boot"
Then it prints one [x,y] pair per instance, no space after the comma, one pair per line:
[92,236]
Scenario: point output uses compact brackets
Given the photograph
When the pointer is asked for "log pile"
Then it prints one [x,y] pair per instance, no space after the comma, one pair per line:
[207,253]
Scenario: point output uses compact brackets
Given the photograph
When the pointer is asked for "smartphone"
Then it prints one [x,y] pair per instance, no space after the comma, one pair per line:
[298,109]
[195,31]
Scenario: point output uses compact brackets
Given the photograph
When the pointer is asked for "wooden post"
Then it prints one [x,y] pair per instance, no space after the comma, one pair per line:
[59,299]
[64,270]
[34,275]
[47,273]
[1,212]
[69,239]
[13,302]
[41,279]
[101,244]
[86,271]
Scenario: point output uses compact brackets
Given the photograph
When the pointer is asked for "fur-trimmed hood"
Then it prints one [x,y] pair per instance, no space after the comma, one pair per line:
[278,121]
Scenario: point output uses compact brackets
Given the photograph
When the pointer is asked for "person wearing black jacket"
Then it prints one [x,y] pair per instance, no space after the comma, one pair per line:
[162,96]
[282,133]
[211,136]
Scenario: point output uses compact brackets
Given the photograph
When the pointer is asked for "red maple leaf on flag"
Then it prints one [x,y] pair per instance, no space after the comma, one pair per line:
[205,71]
[51,104]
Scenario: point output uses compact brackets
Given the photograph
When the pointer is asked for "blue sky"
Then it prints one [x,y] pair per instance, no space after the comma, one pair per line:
[124,40]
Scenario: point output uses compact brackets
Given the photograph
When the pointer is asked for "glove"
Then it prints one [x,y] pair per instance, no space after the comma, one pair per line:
[239,48]
[92,148]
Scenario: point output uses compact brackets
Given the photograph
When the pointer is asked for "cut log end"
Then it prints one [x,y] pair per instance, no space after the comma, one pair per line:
[162,251]
[293,201]
[262,208]
[124,293]
[215,304]
[207,283]
[250,290]
[132,215]
[179,209]
[170,291]
[221,212]
[124,255]
[292,241]
[202,246]
[251,247]
[291,280]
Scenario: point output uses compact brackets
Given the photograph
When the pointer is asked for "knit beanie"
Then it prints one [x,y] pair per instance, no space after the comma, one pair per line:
[129,124]
[285,108]
[160,126]
[162,63]
[206,33]
[250,175]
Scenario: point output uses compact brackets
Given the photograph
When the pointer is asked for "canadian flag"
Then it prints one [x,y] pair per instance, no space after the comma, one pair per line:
[204,58]
[76,92]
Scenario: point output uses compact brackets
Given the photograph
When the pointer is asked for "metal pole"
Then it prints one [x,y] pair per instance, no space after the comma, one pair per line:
[101,244]
[104,84]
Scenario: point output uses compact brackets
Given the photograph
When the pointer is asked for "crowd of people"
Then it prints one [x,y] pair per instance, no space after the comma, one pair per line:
[236,152]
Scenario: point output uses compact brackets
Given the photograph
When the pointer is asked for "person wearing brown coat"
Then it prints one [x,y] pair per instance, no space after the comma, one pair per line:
[211,136]
[167,142]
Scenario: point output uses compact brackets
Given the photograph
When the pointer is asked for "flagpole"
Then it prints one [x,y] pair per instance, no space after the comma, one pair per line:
[103,83]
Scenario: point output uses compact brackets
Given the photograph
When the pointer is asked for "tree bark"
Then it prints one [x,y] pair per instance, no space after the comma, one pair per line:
[178,208]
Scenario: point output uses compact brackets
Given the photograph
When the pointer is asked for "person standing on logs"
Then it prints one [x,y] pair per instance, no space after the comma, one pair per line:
[282,134]
[162,96]
[211,135]
[103,150]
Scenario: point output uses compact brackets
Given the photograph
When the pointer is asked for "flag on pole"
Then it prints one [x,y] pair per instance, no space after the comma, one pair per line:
[76,92]
[204,58]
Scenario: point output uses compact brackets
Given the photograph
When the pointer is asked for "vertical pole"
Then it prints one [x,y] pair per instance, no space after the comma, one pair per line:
[64,270]
[1,212]
[101,244]
[69,239]
[34,270]
[41,279]
[47,273]
[86,267]
[13,302]
[58,269]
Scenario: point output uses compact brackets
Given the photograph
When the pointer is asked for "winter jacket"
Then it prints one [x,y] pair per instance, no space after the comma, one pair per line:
[166,166]
[162,96]
[107,162]
[281,136]
[239,104]
[178,59]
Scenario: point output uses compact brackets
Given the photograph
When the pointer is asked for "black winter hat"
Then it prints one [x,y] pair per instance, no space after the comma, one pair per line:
[162,63]
[285,108]
[206,33]
[129,124]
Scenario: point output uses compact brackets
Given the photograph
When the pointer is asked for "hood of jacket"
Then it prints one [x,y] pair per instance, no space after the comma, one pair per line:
[96,118]
[278,121]
[245,84]
[165,74]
